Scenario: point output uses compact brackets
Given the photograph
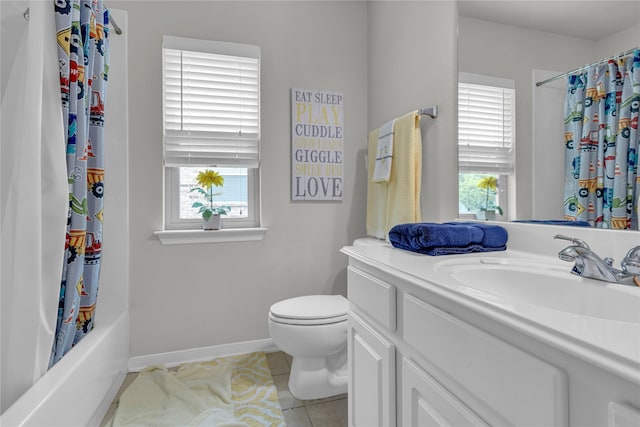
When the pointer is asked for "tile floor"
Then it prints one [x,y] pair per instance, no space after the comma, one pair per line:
[328,412]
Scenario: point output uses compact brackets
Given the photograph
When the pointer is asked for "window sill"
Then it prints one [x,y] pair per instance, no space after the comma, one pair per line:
[187,237]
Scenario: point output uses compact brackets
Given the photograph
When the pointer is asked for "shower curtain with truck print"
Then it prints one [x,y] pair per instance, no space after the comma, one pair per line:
[601,144]
[83,54]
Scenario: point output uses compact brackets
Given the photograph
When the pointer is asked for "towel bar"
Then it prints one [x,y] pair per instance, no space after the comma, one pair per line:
[431,112]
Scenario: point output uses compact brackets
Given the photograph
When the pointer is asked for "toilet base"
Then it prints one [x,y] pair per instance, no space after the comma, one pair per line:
[318,377]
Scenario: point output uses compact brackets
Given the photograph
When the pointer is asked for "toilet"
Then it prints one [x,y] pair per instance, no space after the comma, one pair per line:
[313,330]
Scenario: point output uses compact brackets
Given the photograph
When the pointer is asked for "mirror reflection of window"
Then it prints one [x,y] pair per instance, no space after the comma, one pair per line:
[486,143]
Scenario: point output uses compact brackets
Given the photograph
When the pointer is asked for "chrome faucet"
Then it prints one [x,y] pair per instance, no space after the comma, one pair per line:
[588,264]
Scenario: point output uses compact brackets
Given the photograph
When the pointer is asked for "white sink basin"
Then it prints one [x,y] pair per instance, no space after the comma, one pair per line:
[507,282]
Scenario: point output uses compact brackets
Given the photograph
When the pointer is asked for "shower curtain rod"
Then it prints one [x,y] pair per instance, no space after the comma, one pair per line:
[112,21]
[619,55]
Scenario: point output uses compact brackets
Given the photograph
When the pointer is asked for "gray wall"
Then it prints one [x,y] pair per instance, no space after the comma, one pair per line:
[190,296]
[627,38]
[412,64]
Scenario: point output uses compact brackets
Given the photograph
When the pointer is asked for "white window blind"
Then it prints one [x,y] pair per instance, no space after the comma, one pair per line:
[211,103]
[486,128]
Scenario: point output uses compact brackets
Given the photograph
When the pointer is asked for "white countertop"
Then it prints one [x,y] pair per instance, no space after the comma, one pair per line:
[613,345]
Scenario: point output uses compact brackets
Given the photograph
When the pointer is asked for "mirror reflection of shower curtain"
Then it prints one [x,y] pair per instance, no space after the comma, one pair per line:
[83,54]
[601,144]
[33,202]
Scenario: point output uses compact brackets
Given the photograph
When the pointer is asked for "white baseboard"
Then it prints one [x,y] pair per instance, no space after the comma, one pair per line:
[175,358]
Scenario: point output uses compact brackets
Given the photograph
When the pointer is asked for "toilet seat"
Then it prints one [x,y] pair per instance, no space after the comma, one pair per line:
[310,310]
[307,322]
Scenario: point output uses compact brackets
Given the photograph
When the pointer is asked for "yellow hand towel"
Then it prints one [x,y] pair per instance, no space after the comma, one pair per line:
[398,200]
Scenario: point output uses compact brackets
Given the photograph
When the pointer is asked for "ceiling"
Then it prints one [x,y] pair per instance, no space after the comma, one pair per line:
[586,19]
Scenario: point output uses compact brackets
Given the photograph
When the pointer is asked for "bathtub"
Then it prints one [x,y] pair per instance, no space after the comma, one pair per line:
[88,377]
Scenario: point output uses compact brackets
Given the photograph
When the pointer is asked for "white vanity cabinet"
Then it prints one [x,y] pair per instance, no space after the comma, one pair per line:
[517,386]
[372,379]
[417,357]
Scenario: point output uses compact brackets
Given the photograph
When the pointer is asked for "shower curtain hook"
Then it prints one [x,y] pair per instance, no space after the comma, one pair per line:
[26,15]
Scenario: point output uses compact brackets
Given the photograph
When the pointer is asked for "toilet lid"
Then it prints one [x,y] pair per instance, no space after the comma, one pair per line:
[312,307]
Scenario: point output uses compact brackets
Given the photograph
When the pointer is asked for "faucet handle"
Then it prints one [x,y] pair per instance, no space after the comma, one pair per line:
[573,240]
[631,262]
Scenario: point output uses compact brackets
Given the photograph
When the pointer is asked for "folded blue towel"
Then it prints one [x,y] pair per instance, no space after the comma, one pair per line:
[494,236]
[448,238]
[556,222]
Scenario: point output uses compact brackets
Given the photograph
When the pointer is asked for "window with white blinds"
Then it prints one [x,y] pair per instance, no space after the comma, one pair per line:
[211,103]
[486,126]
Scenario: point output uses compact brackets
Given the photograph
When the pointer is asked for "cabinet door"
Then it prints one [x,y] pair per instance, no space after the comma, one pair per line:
[505,380]
[623,415]
[426,403]
[371,376]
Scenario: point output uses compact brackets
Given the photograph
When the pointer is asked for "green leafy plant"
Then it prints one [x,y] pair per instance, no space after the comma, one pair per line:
[489,184]
[208,179]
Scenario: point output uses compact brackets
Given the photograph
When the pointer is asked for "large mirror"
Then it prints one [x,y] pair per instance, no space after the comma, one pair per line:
[524,42]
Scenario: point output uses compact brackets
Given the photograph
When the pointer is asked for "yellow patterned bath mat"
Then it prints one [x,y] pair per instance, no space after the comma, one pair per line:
[235,391]
[252,391]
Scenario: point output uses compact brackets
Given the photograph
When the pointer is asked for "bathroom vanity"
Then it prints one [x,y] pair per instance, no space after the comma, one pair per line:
[500,338]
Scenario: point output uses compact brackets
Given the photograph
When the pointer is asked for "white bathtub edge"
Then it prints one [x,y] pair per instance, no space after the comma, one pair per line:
[85,375]
[107,401]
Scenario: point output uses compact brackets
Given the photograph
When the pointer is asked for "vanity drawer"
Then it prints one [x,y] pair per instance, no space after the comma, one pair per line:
[521,388]
[373,296]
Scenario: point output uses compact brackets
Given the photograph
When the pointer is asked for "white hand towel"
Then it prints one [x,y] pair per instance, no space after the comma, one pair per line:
[384,153]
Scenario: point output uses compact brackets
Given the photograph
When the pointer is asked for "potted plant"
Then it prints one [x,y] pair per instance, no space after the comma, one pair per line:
[211,215]
[489,184]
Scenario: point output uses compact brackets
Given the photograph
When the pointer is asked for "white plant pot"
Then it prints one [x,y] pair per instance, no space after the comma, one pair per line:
[213,223]
[490,214]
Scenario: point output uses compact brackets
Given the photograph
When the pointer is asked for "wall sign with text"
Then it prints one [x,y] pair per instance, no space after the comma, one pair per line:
[317,143]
